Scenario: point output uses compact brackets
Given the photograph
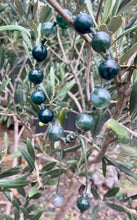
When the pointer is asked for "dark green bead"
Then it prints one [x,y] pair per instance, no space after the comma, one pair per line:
[108,69]
[100,98]
[36,76]
[45,115]
[101,41]
[83,203]
[61,22]
[48,30]
[39,52]
[84,121]
[38,97]
[83,23]
[55,132]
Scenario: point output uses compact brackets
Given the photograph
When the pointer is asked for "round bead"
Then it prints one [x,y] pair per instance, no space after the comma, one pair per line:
[48,30]
[61,22]
[83,22]
[39,52]
[84,121]
[101,41]
[36,76]
[57,200]
[38,97]
[45,115]
[55,132]
[108,69]
[100,98]
[83,203]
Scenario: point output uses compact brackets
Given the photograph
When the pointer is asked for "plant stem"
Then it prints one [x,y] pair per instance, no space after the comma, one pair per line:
[60,159]
[86,164]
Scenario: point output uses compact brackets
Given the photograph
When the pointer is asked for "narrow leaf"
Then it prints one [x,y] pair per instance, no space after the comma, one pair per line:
[7,194]
[115,23]
[128,54]
[33,191]
[3,85]
[54,173]
[94,192]
[49,166]
[72,149]
[121,132]
[2,56]
[10,172]
[30,149]
[6,141]
[112,192]
[14,28]
[108,9]
[122,168]
[65,89]
[133,101]
[14,154]
[27,157]
[94,212]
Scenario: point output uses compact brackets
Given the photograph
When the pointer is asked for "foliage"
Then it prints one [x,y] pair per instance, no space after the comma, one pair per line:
[70,76]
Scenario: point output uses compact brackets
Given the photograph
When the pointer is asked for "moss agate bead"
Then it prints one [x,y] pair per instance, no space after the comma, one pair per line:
[61,22]
[101,41]
[48,30]
[36,76]
[83,203]
[38,97]
[100,98]
[55,132]
[84,121]
[45,115]
[108,69]
[83,22]
[39,52]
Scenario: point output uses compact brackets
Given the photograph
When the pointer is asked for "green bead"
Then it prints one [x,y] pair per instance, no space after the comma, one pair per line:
[61,22]
[101,41]
[83,22]
[39,52]
[84,122]
[83,203]
[38,97]
[36,76]
[100,98]
[45,116]
[48,30]
[55,132]
[108,69]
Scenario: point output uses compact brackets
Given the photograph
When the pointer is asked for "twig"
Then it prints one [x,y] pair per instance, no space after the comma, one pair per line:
[79,86]
[67,18]
[87,73]
[98,12]
[61,47]
[76,101]
[81,50]
[50,48]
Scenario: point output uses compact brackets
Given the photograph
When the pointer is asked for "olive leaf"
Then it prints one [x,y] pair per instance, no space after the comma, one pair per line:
[4,84]
[128,150]
[125,4]
[115,23]
[2,56]
[133,101]
[121,132]
[27,157]
[14,28]
[112,192]
[94,212]
[128,54]
[107,10]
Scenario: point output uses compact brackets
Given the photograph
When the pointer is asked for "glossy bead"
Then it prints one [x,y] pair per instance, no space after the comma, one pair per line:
[100,98]
[84,122]
[83,22]
[45,115]
[83,203]
[48,30]
[108,69]
[38,97]
[55,132]
[61,22]
[39,52]
[101,41]
[36,76]
[57,200]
